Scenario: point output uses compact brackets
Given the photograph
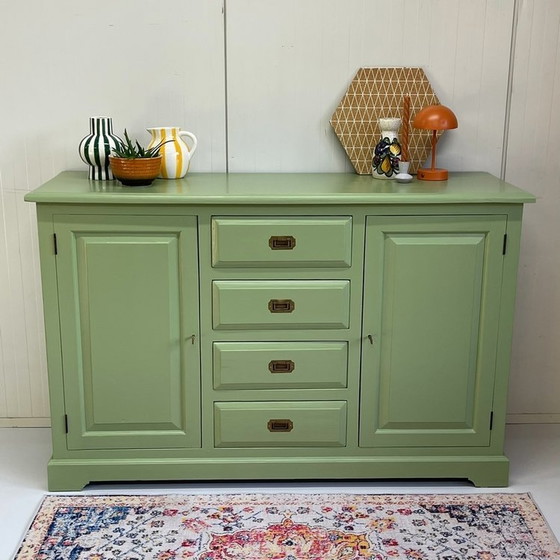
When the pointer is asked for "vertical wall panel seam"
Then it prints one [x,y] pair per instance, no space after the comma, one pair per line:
[15,397]
[514,25]
[4,397]
[23,311]
[553,65]
[226,102]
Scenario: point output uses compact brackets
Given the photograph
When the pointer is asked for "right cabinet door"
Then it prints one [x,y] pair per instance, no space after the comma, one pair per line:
[431,319]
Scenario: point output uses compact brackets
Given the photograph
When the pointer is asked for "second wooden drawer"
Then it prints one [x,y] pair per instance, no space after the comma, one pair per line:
[289,304]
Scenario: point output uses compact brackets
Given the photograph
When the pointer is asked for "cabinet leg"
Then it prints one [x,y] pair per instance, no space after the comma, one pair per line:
[490,475]
[64,479]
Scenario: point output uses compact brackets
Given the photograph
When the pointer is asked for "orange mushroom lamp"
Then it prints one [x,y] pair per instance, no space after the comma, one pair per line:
[434,118]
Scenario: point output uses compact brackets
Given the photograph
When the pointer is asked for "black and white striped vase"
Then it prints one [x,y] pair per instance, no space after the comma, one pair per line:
[96,148]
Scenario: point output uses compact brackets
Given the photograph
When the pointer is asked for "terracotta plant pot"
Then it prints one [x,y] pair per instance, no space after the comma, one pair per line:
[136,172]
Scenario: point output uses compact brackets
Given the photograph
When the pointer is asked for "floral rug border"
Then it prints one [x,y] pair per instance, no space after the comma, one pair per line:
[402,504]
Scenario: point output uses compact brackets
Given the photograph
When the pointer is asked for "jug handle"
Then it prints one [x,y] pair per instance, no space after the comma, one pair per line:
[192,137]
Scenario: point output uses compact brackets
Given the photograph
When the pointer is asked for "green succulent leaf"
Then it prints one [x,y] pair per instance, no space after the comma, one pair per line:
[133,150]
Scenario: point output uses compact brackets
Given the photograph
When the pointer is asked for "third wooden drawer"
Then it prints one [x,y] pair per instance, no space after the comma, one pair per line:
[280,365]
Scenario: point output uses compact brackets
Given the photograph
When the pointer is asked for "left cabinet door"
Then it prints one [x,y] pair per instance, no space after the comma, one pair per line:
[128,302]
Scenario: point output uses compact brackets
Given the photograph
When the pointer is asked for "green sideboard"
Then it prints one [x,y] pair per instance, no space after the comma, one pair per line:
[278,326]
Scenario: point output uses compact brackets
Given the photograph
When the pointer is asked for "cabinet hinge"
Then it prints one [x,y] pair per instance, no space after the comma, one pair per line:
[491,419]
[55,244]
[504,247]
[66,423]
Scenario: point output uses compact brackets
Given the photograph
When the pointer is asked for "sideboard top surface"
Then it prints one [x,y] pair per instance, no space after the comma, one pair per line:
[73,187]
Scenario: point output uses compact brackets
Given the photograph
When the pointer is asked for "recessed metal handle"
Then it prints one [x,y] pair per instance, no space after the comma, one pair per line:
[281,305]
[280,425]
[282,242]
[281,366]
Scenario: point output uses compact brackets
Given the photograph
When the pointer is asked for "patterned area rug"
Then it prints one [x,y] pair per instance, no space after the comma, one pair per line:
[289,527]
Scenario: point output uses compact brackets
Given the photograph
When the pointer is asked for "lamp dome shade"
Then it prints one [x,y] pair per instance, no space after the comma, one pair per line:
[435,117]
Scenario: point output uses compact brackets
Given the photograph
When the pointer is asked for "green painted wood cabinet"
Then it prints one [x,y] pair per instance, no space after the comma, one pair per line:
[278,326]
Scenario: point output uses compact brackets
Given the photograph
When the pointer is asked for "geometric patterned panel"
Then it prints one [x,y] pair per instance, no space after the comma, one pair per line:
[376,93]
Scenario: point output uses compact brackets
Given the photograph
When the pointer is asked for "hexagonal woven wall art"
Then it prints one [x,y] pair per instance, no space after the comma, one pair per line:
[376,93]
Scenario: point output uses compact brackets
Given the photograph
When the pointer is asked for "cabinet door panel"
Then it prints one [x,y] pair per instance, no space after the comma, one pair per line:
[128,305]
[432,302]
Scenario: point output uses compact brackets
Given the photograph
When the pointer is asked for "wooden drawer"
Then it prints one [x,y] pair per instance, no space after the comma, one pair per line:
[282,242]
[286,365]
[289,304]
[280,424]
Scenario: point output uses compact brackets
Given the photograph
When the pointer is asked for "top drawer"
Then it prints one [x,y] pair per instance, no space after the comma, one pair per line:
[312,241]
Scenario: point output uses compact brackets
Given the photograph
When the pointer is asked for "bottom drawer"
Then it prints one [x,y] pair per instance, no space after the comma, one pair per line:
[280,424]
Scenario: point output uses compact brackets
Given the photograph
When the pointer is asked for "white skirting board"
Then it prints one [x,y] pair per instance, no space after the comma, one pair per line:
[537,418]
[25,422]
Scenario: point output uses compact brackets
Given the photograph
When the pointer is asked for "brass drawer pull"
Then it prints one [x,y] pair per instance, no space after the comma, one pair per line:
[281,305]
[280,425]
[282,242]
[281,366]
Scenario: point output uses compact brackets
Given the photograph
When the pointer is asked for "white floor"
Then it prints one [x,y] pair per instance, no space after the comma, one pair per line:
[534,451]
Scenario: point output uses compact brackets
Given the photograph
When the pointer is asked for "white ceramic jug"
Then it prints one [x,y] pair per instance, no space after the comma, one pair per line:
[176,154]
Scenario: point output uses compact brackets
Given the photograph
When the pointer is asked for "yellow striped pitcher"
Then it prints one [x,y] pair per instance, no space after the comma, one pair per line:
[177,154]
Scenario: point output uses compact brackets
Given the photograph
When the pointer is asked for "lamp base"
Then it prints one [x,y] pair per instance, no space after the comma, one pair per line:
[432,174]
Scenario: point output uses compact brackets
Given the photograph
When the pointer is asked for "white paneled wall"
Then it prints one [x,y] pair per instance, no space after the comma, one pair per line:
[144,63]
[257,82]
[22,354]
[533,162]
[289,64]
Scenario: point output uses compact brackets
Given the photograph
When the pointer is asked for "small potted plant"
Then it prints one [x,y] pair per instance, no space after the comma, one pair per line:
[133,165]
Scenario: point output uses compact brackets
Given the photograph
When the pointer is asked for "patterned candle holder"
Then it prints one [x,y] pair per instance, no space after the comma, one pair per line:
[96,148]
[385,163]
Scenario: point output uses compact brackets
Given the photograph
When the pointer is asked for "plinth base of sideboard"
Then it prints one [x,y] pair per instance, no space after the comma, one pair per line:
[75,474]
